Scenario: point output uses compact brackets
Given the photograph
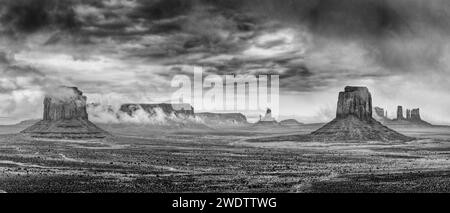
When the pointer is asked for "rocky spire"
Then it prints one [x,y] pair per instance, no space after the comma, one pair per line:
[415,114]
[65,103]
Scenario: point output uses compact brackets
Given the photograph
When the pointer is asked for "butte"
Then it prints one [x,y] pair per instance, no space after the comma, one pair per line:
[65,116]
[353,123]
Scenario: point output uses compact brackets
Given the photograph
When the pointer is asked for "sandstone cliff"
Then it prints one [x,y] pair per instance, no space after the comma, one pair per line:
[65,116]
[355,101]
[290,123]
[353,122]
[267,120]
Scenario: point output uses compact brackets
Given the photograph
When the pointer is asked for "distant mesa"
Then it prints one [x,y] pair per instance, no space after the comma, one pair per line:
[291,123]
[65,116]
[223,119]
[412,117]
[267,120]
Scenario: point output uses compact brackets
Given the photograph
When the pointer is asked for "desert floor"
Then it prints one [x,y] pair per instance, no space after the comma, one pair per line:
[149,160]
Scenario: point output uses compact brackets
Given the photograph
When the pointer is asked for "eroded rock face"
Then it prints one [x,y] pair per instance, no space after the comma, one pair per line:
[66,103]
[223,119]
[354,121]
[355,101]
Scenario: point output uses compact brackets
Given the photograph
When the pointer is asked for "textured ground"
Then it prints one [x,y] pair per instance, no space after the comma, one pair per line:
[205,161]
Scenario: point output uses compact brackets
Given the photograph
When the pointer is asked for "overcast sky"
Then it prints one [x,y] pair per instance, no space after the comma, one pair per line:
[129,50]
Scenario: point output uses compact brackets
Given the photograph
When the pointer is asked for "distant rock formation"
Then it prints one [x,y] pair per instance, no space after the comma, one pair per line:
[290,123]
[400,113]
[267,120]
[415,115]
[412,118]
[354,121]
[65,116]
[379,112]
[222,119]
[380,115]
[268,116]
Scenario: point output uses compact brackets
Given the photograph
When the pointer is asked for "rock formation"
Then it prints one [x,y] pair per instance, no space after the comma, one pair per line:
[400,113]
[167,109]
[291,123]
[379,112]
[415,115]
[222,119]
[65,116]
[354,121]
[267,120]
[356,101]
[412,118]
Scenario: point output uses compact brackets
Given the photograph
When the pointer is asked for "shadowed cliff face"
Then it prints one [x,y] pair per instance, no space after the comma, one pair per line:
[355,101]
[67,103]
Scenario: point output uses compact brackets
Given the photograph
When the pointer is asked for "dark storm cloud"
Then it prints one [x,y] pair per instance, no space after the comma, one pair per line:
[403,34]
[25,16]
[398,35]
[166,9]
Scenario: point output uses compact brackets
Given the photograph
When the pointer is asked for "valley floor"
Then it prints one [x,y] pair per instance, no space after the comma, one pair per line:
[211,161]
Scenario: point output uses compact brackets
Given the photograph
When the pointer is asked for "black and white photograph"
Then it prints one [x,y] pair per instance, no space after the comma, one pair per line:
[224,96]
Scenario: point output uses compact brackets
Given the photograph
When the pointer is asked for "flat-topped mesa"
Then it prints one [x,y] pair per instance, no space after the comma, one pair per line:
[354,121]
[380,112]
[65,116]
[64,104]
[355,101]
